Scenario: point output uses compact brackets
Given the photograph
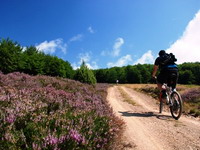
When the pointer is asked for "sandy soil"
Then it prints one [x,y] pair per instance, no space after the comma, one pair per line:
[146,129]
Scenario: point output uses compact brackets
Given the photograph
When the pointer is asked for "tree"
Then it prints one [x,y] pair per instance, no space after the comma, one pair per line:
[33,61]
[85,75]
[10,56]
[189,73]
[112,75]
[121,74]
[69,72]
[101,75]
[144,73]
[186,77]
[54,66]
[132,74]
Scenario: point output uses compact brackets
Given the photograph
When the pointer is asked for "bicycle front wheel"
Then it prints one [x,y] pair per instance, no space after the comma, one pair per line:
[161,106]
[176,105]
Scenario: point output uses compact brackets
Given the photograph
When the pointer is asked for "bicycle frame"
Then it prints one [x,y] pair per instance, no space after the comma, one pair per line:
[168,92]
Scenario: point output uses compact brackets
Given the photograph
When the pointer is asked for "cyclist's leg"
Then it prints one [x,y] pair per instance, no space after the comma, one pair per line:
[160,80]
[172,77]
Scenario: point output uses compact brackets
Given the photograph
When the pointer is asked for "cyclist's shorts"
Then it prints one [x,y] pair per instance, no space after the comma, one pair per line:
[169,76]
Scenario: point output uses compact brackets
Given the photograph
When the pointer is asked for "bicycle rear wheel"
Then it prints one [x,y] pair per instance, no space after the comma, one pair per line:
[177,105]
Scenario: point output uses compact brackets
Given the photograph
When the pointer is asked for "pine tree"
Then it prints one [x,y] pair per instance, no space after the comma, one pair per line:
[85,75]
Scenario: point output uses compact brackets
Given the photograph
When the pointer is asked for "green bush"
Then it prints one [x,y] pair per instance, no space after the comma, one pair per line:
[85,75]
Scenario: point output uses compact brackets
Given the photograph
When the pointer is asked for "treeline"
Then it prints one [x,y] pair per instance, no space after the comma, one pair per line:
[129,74]
[189,73]
[31,61]
[14,58]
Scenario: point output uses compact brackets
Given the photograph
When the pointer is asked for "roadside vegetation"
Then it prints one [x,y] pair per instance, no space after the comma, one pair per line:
[126,97]
[41,112]
[189,93]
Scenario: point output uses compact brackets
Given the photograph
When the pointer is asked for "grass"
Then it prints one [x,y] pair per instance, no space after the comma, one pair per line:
[126,97]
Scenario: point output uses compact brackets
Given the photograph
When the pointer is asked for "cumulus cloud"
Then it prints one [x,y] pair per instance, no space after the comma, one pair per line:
[86,57]
[147,58]
[187,47]
[116,48]
[76,38]
[92,65]
[121,61]
[52,46]
[90,29]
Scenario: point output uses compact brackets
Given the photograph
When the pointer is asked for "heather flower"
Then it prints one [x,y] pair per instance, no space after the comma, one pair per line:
[8,136]
[67,110]
[10,116]
[98,146]
[51,140]
[36,146]
[192,95]
[74,135]
[10,119]
[62,139]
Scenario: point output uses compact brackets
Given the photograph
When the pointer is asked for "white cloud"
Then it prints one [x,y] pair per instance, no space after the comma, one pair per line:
[116,48]
[75,66]
[52,46]
[92,65]
[147,58]
[86,57]
[90,29]
[187,48]
[121,61]
[76,38]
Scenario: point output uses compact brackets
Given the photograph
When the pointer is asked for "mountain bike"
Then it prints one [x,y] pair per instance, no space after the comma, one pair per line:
[173,100]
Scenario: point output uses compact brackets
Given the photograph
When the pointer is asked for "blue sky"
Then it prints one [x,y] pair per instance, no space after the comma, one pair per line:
[105,33]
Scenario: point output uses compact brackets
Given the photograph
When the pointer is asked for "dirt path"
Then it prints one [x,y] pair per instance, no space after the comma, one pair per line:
[146,129]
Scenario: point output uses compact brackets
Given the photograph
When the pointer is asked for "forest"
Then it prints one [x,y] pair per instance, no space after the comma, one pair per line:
[29,60]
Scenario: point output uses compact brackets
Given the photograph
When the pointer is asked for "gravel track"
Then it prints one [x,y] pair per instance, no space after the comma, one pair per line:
[146,129]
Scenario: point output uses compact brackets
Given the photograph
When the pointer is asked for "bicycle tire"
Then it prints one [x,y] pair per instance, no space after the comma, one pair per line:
[161,107]
[177,107]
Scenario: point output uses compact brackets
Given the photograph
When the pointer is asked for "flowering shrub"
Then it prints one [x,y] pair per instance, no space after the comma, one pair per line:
[192,95]
[40,112]
[192,101]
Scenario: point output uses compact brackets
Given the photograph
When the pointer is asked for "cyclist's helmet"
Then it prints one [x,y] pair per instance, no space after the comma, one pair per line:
[162,52]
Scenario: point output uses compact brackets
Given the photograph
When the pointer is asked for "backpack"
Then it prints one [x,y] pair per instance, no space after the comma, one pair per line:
[168,59]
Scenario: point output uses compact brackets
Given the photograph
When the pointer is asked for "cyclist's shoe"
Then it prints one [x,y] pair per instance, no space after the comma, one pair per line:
[165,97]
[167,100]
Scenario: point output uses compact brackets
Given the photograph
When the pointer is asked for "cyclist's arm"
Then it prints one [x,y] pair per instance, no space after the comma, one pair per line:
[155,69]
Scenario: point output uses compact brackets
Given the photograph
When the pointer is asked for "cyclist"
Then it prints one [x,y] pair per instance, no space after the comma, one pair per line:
[168,71]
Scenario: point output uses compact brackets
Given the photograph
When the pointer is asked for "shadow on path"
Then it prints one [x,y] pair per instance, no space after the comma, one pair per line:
[145,114]
[133,114]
